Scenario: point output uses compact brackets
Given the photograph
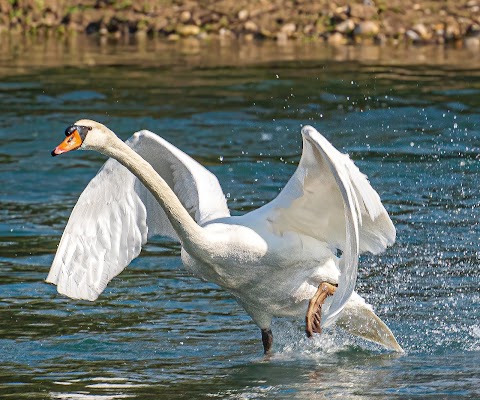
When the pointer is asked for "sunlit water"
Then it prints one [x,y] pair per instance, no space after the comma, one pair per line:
[413,126]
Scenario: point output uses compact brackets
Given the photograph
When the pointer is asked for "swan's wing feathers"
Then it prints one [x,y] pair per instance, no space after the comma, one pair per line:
[196,187]
[335,170]
[329,199]
[312,203]
[377,230]
[104,233]
[116,214]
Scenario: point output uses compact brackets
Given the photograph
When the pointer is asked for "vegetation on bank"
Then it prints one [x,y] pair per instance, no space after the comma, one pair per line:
[334,21]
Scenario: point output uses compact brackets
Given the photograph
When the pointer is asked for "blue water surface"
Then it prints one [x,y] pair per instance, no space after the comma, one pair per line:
[412,125]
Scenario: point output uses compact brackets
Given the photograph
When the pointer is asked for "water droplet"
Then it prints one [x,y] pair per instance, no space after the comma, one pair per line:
[265,137]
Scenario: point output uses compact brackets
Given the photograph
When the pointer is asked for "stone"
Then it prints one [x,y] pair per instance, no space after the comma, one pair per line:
[346,26]
[422,30]
[159,24]
[381,39]
[362,11]
[362,20]
[473,30]
[243,15]
[452,29]
[439,30]
[250,26]
[472,43]
[281,37]
[188,30]
[49,19]
[185,16]
[225,33]
[366,29]
[336,39]
[288,29]
[413,36]
[309,29]
[341,13]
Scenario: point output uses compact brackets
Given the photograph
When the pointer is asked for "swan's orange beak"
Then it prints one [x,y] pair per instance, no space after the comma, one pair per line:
[72,141]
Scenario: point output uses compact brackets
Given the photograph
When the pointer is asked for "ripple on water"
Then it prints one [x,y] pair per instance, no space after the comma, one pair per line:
[157,332]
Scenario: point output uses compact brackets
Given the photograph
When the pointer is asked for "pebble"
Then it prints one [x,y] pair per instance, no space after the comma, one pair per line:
[413,36]
[243,15]
[452,30]
[367,20]
[309,29]
[346,26]
[362,11]
[289,29]
[188,30]
[472,43]
[185,16]
[281,37]
[225,33]
[336,39]
[422,30]
[250,26]
[366,29]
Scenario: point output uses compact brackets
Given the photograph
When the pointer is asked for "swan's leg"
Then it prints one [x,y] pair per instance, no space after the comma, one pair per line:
[314,311]
[267,340]
[263,320]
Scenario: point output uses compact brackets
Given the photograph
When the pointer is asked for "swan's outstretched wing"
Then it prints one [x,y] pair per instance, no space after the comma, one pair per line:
[116,214]
[329,199]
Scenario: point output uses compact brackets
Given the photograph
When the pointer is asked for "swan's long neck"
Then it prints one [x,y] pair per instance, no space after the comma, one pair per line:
[191,235]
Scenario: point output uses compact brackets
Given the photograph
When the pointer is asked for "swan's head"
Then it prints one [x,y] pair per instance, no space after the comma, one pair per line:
[85,134]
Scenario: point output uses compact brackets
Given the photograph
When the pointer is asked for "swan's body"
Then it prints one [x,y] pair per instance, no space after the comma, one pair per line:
[272,260]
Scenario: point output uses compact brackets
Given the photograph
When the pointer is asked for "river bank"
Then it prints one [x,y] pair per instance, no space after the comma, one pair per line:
[334,22]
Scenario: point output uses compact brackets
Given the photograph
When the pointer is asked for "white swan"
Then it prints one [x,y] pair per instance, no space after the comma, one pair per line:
[280,260]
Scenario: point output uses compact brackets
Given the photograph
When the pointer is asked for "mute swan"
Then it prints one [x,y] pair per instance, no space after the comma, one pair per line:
[283,259]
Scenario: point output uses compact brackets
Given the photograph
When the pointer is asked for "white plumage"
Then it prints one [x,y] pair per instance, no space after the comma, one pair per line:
[271,259]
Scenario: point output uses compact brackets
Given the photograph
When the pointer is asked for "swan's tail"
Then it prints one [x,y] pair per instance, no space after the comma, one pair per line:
[359,319]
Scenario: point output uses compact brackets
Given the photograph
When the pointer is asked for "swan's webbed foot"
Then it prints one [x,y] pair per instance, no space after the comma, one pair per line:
[267,340]
[314,311]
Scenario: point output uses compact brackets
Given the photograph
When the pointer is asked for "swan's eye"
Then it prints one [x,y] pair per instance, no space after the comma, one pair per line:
[82,130]
[70,130]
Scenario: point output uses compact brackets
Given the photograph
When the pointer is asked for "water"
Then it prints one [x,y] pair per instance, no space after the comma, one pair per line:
[408,118]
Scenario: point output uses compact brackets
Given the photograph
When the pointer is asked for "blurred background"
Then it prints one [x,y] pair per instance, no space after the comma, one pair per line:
[407,112]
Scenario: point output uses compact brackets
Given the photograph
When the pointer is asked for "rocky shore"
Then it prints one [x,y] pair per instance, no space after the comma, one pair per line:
[336,22]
